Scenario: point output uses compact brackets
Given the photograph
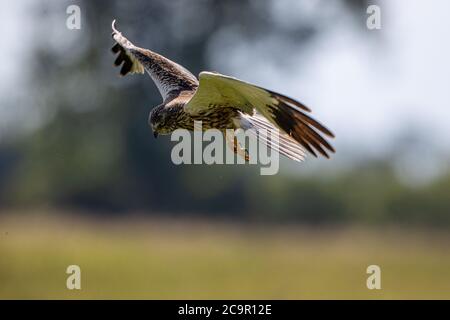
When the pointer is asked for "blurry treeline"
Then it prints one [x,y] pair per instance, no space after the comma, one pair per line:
[94,150]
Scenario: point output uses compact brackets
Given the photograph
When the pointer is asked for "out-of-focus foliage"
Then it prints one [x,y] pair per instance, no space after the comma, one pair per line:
[96,151]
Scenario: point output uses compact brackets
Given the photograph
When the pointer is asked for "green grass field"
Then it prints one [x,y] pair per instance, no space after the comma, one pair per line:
[163,259]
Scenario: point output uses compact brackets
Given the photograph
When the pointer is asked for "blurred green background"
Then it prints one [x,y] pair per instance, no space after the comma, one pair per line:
[82,181]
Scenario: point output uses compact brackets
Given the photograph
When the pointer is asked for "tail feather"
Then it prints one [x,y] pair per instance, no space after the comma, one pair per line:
[286,145]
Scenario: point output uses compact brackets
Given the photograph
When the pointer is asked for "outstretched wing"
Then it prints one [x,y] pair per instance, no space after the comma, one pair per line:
[169,77]
[218,91]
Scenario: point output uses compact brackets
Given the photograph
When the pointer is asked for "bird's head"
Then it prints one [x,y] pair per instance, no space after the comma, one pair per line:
[160,120]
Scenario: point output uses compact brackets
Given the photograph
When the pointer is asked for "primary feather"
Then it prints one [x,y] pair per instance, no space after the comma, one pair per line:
[219,91]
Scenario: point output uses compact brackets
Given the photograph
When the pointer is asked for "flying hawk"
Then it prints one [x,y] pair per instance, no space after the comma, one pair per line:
[222,102]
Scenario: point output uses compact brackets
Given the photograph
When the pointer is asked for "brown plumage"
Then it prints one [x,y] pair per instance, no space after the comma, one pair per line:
[222,102]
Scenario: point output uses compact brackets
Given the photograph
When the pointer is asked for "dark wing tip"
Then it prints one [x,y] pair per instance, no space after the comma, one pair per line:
[298,106]
[115,48]
[127,65]
[305,145]
[302,129]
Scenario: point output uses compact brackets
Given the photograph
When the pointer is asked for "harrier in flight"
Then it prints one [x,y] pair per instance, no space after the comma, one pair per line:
[222,102]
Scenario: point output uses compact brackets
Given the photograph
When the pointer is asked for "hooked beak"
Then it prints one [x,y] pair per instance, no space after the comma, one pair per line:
[155,134]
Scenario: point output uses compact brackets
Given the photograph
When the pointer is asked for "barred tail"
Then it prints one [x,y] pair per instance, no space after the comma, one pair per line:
[286,145]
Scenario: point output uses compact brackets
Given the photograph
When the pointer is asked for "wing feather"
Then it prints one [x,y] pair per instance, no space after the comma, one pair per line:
[216,90]
[286,146]
[169,77]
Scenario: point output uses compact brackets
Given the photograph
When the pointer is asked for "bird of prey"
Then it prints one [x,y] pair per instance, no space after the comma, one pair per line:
[222,102]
